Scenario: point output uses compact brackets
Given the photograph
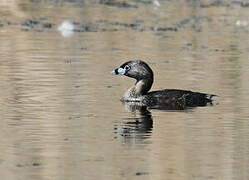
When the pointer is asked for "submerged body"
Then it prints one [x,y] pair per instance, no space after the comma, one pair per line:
[139,93]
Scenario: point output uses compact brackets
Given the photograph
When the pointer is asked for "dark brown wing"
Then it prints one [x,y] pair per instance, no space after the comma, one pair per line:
[179,97]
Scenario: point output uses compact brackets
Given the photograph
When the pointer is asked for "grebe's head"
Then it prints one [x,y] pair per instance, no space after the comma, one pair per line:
[136,69]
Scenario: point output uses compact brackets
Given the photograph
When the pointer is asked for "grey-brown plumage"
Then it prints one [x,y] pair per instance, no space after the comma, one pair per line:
[165,99]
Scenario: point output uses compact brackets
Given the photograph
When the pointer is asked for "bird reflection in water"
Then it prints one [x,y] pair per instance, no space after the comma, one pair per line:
[138,128]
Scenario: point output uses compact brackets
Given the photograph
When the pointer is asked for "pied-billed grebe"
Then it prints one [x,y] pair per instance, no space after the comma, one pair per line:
[139,93]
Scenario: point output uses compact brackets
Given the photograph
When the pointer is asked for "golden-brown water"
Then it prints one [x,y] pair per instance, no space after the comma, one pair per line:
[61,117]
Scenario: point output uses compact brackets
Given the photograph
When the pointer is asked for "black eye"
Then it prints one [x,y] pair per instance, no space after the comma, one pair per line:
[127,67]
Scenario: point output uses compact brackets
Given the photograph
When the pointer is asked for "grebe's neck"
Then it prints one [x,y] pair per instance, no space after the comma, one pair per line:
[143,86]
[140,88]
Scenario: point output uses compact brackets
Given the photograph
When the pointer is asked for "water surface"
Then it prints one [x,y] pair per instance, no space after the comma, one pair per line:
[61,117]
